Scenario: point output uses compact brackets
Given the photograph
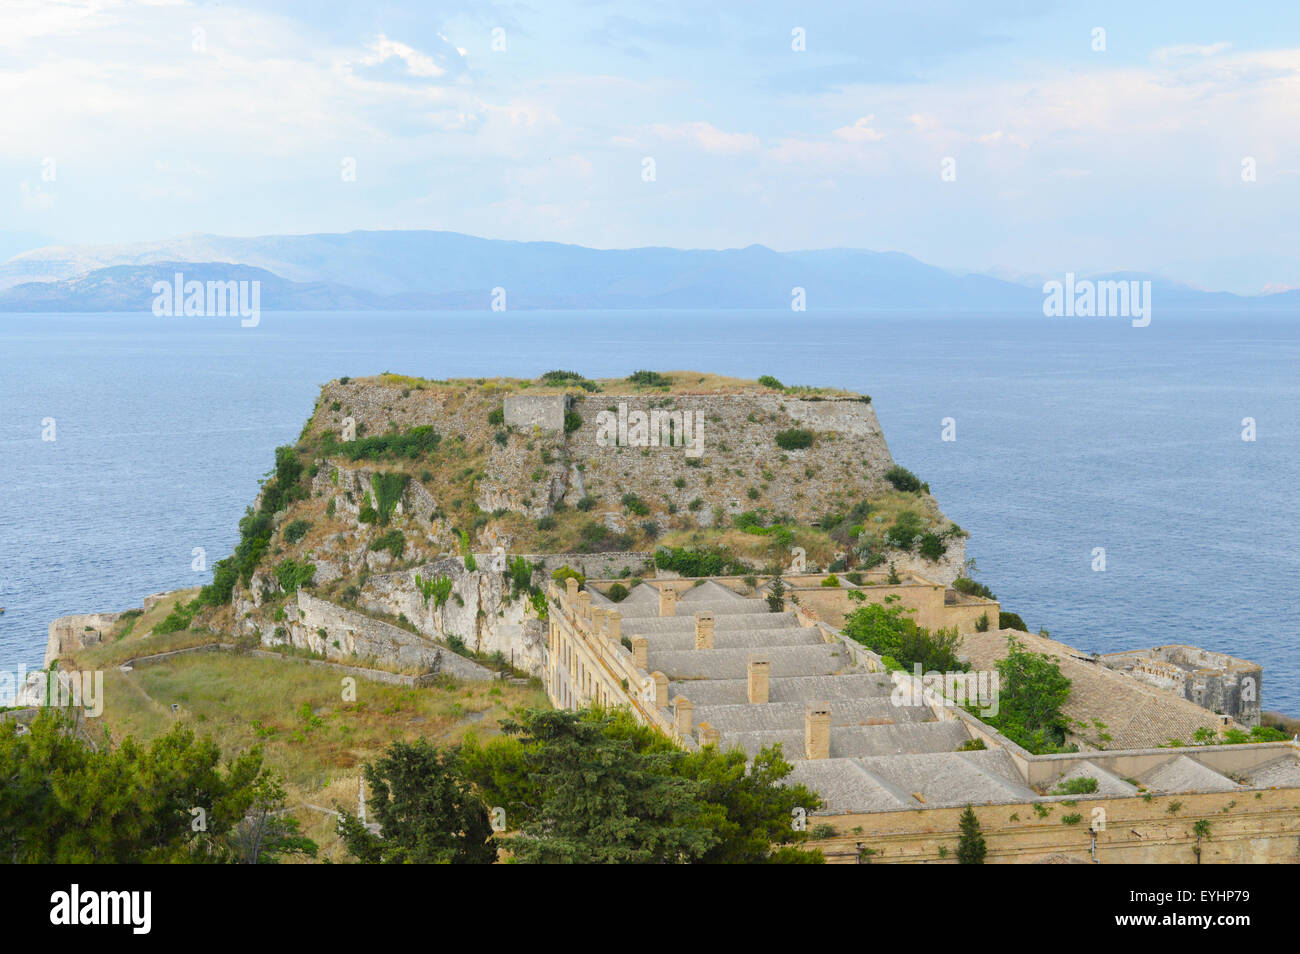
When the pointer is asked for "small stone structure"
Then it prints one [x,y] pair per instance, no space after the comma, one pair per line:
[1223,684]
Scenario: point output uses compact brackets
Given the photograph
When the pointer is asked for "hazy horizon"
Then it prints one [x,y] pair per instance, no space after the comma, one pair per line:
[1012,138]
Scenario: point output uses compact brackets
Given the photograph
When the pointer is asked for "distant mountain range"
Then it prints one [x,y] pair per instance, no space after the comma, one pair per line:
[405,270]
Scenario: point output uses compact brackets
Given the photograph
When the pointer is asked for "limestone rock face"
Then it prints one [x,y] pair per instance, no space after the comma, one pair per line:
[70,633]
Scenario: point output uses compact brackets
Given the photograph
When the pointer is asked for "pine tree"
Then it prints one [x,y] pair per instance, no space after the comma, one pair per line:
[971,848]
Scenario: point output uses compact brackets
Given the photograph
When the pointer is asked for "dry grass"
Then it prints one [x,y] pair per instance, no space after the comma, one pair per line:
[309,735]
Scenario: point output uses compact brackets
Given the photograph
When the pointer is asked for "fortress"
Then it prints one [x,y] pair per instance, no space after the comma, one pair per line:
[424,528]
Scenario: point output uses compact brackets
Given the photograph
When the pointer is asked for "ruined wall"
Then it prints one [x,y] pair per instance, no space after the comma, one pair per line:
[341,634]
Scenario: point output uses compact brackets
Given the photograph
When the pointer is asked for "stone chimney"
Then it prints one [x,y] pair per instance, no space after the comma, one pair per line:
[684,715]
[667,601]
[598,621]
[640,651]
[584,605]
[817,730]
[661,689]
[571,589]
[706,734]
[614,625]
[703,630]
[760,678]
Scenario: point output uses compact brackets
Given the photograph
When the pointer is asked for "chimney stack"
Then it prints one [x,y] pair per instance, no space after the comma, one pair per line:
[817,730]
[683,715]
[640,652]
[760,681]
[703,630]
[661,689]
[667,600]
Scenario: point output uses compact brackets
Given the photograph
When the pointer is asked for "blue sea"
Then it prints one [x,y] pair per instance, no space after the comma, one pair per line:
[1071,434]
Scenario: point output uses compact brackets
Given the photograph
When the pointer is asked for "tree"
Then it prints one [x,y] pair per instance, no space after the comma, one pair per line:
[885,630]
[742,805]
[427,812]
[601,802]
[1032,691]
[747,807]
[67,799]
[266,832]
[971,848]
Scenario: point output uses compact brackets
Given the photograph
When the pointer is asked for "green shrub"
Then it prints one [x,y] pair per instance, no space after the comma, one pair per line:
[903,479]
[497,416]
[586,503]
[617,592]
[932,547]
[796,438]
[388,493]
[438,589]
[770,382]
[650,379]
[635,505]
[291,574]
[964,584]
[394,541]
[572,421]
[296,530]
[565,572]
[1011,621]
[1084,785]
[831,580]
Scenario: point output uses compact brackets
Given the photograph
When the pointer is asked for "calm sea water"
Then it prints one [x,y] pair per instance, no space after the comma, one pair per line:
[1071,435]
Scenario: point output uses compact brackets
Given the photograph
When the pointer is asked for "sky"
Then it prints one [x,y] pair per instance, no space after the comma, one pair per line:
[1018,136]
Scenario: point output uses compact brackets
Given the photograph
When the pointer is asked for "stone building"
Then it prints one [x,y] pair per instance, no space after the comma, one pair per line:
[894,757]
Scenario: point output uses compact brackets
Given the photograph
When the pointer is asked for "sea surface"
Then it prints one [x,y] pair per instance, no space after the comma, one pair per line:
[1071,434]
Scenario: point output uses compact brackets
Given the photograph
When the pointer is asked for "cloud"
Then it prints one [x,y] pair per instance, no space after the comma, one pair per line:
[860,131]
[705,136]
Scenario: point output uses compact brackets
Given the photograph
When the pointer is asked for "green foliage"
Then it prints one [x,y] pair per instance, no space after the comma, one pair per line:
[970,847]
[394,541]
[903,479]
[426,810]
[885,629]
[770,382]
[415,443]
[904,531]
[1032,691]
[982,624]
[438,589]
[1084,785]
[650,379]
[598,787]
[795,438]
[295,530]
[388,492]
[179,618]
[831,580]
[572,421]
[635,505]
[776,595]
[1011,621]
[497,416]
[565,572]
[617,592]
[69,800]
[282,487]
[703,562]
[291,574]
[932,546]
[964,584]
